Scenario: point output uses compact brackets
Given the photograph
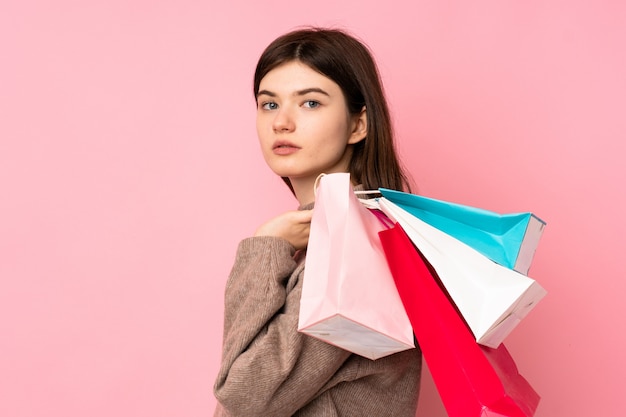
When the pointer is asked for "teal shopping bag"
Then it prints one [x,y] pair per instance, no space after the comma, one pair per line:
[507,239]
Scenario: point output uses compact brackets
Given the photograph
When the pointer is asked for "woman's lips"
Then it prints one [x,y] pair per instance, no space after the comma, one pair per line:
[284,148]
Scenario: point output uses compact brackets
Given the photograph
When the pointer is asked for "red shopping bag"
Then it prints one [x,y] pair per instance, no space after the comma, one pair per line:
[472,380]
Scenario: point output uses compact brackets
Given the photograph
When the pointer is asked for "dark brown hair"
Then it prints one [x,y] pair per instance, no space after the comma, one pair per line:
[348,62]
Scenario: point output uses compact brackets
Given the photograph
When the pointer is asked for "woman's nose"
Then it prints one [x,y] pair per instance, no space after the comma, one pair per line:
[283,121]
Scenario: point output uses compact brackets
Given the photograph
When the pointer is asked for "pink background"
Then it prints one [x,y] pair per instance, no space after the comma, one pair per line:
[129,170]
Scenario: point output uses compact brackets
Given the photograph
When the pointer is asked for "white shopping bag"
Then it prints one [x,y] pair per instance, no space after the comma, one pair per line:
[349,298]
[491,298]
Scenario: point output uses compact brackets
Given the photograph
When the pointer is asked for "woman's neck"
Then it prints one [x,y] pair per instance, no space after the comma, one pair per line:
[304,190]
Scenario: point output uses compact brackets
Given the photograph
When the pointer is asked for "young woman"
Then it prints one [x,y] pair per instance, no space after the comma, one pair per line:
[320,109]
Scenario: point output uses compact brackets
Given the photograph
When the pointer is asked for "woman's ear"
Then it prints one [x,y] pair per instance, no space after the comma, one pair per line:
[359,127]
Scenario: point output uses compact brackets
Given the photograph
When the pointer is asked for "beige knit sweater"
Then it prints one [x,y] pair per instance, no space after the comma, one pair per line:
[269,369]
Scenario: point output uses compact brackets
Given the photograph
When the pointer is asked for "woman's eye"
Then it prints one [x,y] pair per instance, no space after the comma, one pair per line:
[269,105]
[311,104]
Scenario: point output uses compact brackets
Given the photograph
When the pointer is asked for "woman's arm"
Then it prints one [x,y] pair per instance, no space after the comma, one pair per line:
[268,368]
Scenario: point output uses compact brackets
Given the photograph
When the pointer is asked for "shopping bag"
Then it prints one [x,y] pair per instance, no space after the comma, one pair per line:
[508,239]
[349,298]
[472,380]
[492,299]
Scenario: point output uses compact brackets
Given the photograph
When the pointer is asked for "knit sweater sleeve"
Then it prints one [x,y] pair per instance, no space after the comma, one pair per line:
[268,368]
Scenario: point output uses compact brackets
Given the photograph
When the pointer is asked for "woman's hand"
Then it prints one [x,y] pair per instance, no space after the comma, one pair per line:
[293,226]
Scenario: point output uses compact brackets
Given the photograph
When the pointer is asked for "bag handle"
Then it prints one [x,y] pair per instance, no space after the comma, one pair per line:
[317,183]
[360,192]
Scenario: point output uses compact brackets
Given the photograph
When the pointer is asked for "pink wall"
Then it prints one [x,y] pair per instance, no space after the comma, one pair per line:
[129,170]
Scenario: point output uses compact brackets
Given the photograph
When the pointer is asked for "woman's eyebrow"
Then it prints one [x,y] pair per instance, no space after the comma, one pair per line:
[265,93]
[297,93]
[311,90]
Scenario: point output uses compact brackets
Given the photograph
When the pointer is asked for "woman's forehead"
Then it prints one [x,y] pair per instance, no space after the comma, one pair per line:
[294,76]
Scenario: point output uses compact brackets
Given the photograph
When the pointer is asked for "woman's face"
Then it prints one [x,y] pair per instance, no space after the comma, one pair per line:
[304,126]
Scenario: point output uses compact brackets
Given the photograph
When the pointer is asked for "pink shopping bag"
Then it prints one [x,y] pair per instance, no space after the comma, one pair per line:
[472,380]
[349,298]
